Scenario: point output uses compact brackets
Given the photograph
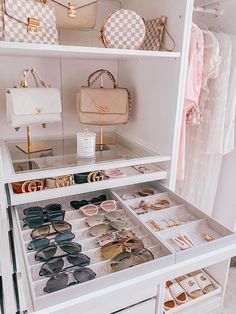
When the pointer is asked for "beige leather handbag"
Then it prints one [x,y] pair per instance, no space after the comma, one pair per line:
[78,14]
[103,106]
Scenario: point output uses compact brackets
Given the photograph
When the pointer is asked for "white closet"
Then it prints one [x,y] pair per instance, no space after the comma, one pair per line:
[157,83]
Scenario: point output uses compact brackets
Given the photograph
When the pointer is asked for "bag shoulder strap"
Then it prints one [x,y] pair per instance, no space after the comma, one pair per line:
[98,74]
[38,81]
[172,39]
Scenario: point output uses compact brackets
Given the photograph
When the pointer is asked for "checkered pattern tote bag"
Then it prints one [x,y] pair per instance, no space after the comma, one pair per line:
[123,29]
[27,21]
[154,38]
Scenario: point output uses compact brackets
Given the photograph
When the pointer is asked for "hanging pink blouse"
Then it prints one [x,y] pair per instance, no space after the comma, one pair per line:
[191,113]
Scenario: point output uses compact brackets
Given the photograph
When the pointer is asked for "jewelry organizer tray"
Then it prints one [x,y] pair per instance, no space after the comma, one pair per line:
[196,224]
[105,277]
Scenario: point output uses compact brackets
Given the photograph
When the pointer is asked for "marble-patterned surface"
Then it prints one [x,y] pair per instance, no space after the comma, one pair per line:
[230,298]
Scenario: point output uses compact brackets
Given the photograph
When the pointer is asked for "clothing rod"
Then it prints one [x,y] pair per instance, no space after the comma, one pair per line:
[208,11]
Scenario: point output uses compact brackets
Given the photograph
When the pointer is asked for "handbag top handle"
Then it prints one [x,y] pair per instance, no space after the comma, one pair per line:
[98,74]
[38,81]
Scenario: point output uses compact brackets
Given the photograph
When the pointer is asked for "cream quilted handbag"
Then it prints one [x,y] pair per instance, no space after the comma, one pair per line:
[27,21]
[103,106]
[78,14]
[27,106]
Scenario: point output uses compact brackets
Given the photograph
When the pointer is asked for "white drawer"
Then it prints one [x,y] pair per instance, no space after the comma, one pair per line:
[147,307]
[110,292]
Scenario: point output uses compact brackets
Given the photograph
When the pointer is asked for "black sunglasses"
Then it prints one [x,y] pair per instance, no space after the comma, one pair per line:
[38,244]
[44,231]
[37,216]
[55,265]
[62,281]
[94,200]
[48,252]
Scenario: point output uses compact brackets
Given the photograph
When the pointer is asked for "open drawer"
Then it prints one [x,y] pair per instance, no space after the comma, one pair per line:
[133,285]
[106,280]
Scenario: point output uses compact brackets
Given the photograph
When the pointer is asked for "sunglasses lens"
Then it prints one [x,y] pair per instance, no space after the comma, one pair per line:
[99,230]
[71,248]
[33,211]
[89,210]
[53,207]
[108,206]
[64,237]
[78,204]
[57,283]
[46,253]
[38,244]
[84,274]
[40,232]
[56,216]
[52,267]
[121,261]
[61,226]
[34,221]
[81,260]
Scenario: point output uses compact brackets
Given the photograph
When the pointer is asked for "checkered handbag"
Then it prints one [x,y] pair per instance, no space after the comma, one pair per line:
[154,38]
[123,29]
[27,21]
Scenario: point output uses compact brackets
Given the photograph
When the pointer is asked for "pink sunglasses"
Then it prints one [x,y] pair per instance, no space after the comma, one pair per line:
[91,209]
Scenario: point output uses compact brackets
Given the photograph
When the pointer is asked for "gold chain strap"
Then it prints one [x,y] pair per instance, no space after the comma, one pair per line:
[100,73]
[69,5]
[38,81]
[110,75]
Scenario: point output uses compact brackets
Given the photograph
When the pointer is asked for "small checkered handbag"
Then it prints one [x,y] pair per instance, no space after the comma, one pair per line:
[77,14]
[123,29]
[27,21]
[155,30]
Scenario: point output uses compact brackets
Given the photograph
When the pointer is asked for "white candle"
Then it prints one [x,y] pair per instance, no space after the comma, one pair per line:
[86,144]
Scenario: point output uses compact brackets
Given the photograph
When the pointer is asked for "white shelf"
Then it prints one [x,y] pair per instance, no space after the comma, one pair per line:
[132,178]
[61,51]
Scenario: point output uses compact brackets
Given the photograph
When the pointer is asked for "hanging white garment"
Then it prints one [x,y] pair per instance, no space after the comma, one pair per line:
[202,162]
[229,127]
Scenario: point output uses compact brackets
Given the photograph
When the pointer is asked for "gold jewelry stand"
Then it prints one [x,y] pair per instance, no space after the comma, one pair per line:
[104,139]
[29,147]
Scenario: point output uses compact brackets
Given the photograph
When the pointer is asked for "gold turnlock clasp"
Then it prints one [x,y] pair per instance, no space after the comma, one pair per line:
[33,25]
[72,10]
[103,109]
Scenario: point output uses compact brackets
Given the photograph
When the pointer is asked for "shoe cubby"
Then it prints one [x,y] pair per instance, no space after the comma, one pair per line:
[178,219]
[162,255]
[192,292]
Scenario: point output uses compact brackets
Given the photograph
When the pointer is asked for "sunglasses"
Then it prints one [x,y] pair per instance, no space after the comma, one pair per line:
[44,231]
[100,218]
[48,252]
[37,216]
[94,200]
[62,281]
[38,244]
[114,236]
[135,257]
[113,249]
[91,209]
[101,229]
[55,265]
